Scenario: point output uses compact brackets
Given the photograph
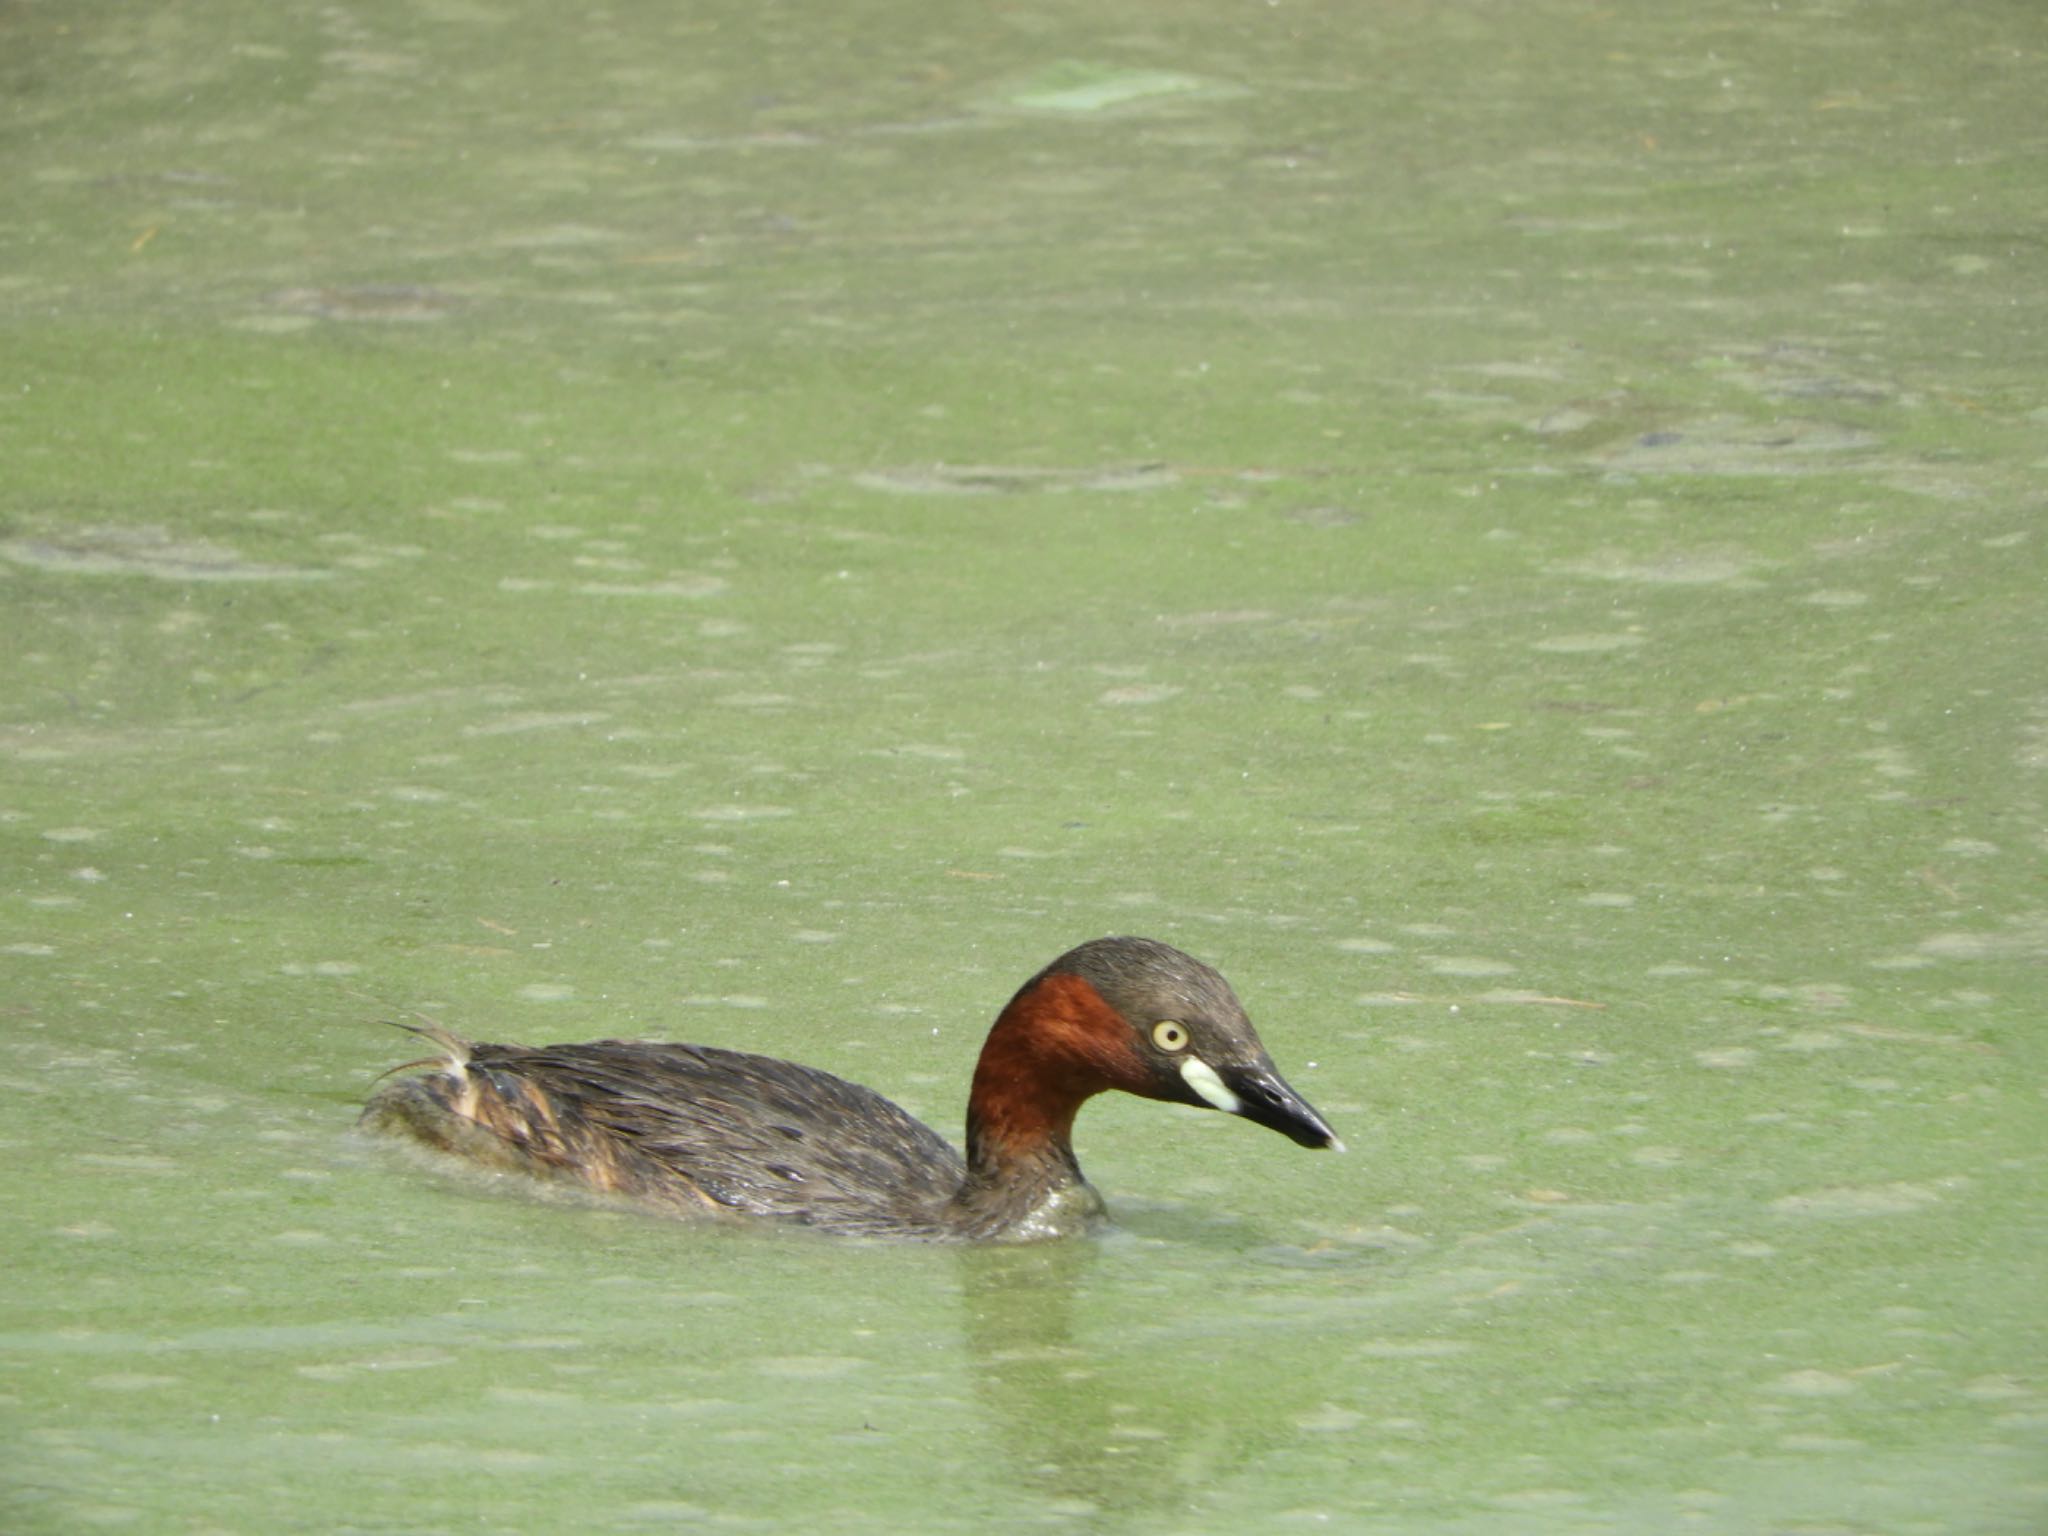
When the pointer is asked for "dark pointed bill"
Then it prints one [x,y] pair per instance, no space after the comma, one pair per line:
[1262,1096]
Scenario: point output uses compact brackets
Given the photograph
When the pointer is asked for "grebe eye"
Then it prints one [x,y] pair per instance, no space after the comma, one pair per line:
[1169,1035]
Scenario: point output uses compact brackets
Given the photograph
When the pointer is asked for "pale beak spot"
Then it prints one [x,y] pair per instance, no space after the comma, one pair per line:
[1201,1077]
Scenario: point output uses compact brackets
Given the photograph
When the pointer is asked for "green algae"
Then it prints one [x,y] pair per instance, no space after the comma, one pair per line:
[1516,534]
[1073,86]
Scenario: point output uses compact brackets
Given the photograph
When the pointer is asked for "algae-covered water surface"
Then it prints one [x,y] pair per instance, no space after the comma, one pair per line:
[1516,532]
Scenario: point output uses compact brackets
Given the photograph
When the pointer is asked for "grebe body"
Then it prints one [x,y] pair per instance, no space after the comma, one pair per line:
[694,1129]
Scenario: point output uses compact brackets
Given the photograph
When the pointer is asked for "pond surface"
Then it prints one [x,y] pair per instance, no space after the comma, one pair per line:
[1516,531]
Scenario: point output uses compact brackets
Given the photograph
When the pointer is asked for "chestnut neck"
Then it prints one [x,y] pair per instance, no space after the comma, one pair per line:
[1055,1046]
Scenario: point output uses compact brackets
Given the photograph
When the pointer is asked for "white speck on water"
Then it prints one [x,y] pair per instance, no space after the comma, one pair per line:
[535,720]
[1138,694]
[126,1162]
[1969,848]
[546,992]
[273,325]
[73,834]
[411,1360]
[1812,1384]
[1680,570]
[809,1367]
[1329,1419]
[1467,965]
[1727,1059]
[1890,762]
[1959,946]
[1086,88]
[541,1397]
[1995,1389]
[674,586]
[1411,1349]
[925,751]
[1850,1200]
[1586,644]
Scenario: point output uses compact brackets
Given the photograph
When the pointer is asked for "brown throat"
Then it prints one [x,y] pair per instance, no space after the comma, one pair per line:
[1055,1046]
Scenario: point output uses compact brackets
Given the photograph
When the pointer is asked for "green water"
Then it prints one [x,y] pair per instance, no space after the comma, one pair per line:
[1516,531]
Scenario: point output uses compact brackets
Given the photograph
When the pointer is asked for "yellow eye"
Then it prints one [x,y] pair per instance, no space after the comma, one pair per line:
[1170,1036]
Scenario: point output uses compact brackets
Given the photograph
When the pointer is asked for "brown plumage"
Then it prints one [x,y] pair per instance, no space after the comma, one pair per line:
[692,1129]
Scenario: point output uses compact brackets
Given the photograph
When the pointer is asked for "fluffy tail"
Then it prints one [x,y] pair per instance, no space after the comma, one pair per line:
[439,1108]
[483,1103]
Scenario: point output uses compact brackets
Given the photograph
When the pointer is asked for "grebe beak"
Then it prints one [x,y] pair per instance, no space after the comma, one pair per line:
[1262,1096]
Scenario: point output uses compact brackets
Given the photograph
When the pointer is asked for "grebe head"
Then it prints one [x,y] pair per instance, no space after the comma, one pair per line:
[1193,1038]
[1141,1016]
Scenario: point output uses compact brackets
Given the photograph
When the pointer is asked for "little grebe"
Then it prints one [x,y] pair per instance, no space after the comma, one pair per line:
[692,1128]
